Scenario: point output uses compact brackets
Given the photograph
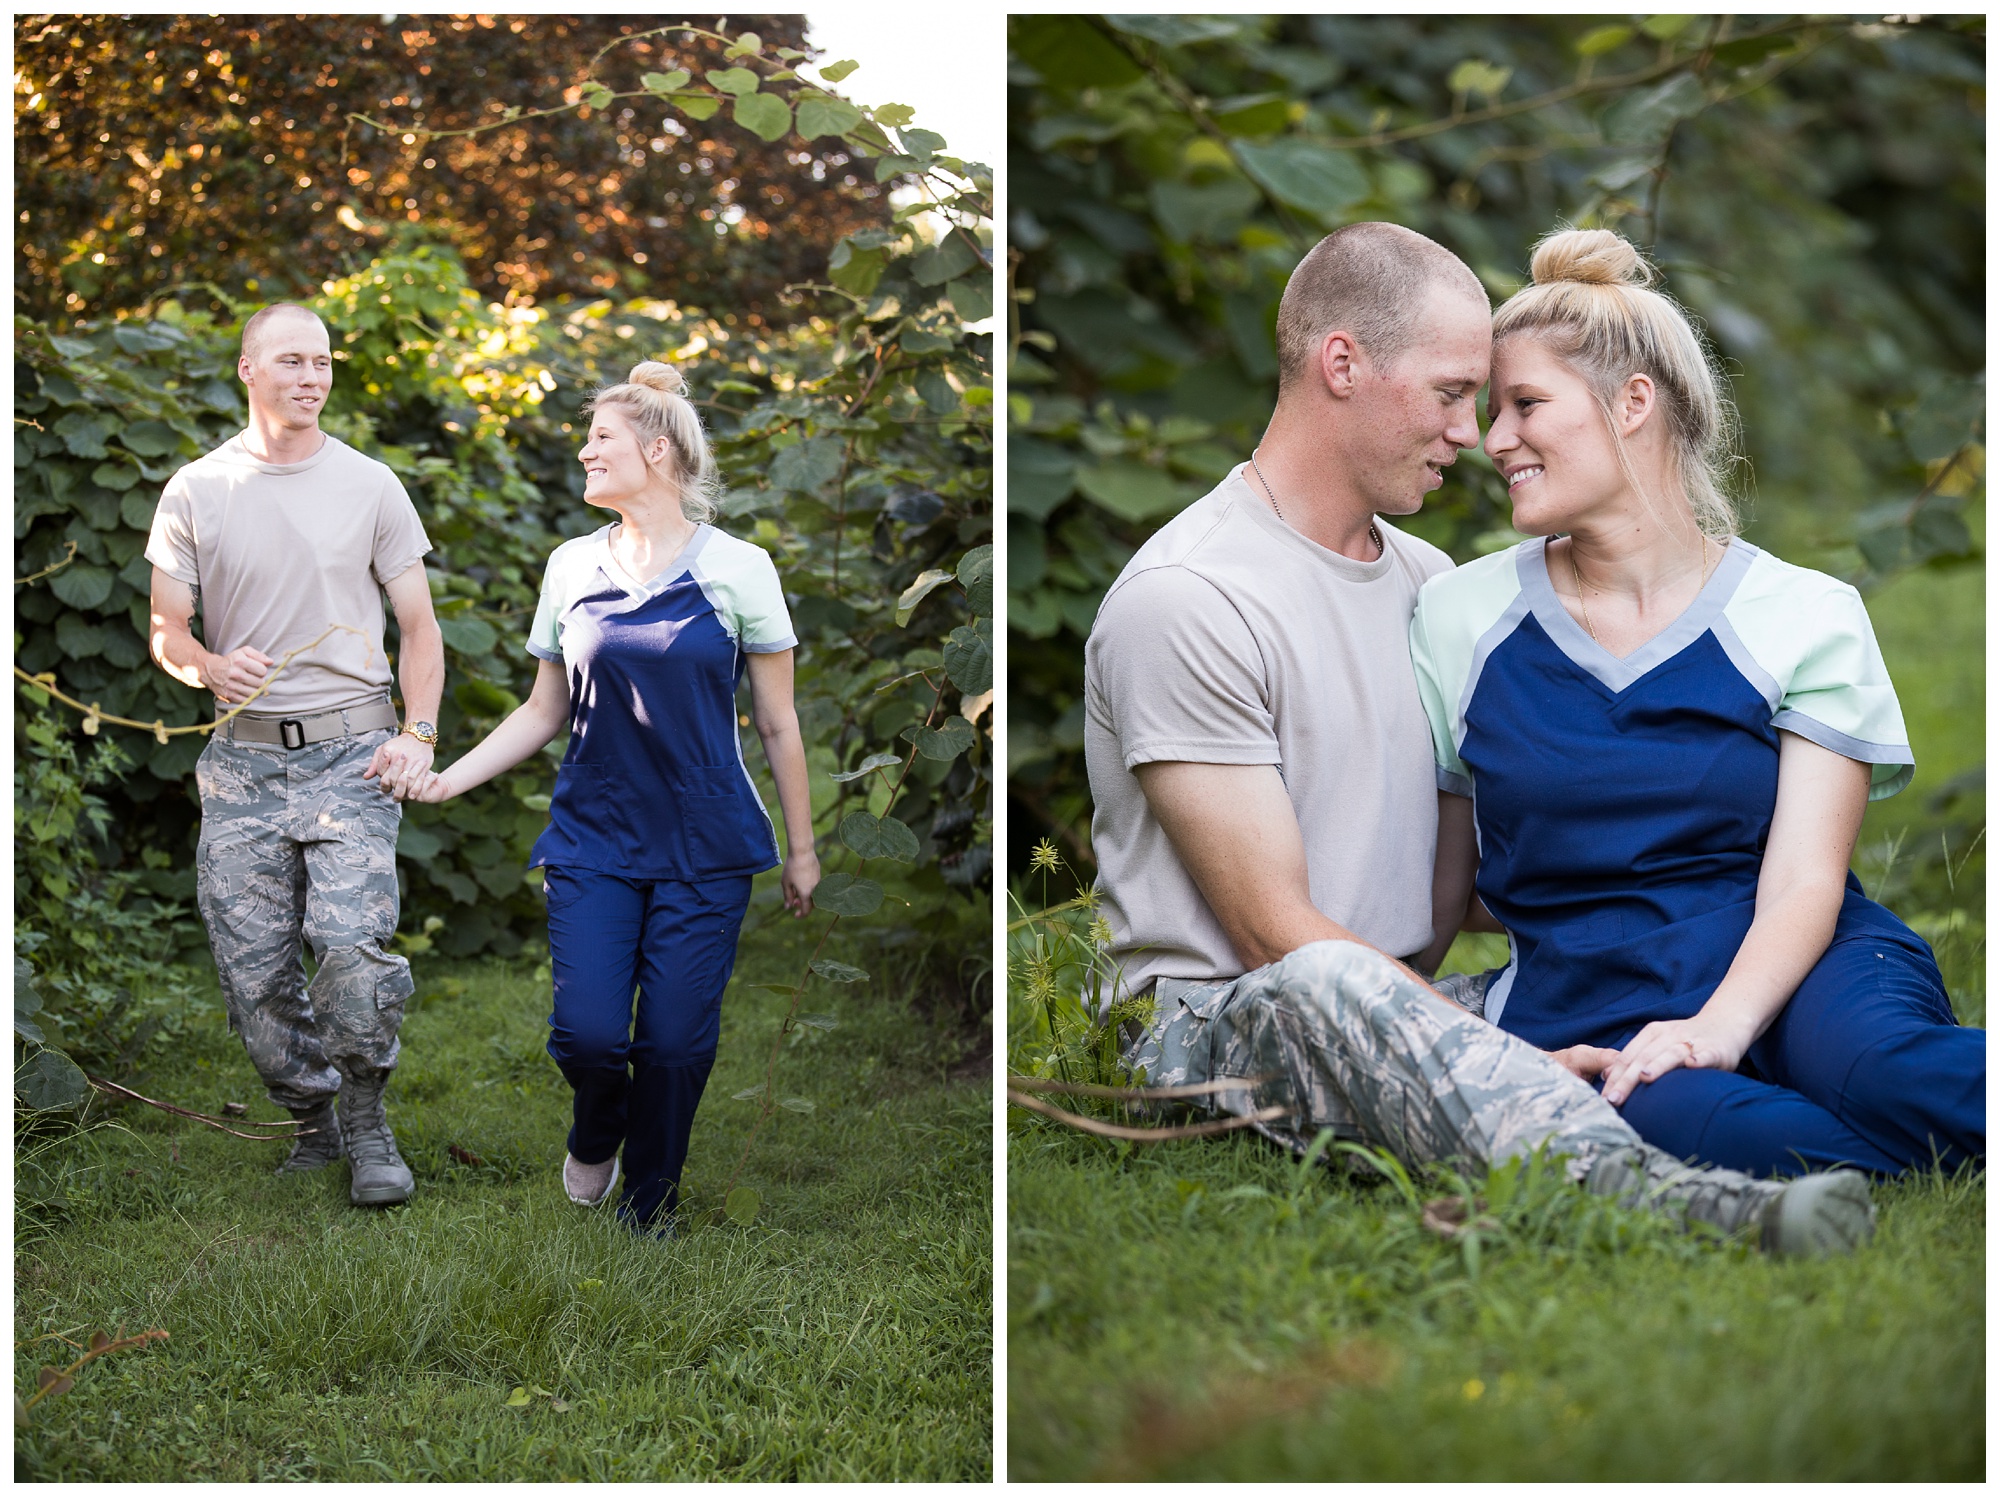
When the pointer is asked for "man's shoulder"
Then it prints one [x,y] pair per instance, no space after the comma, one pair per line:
[1415,554]
[1192,551]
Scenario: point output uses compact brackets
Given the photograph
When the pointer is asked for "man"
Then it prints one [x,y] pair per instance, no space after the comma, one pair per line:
[286,538]
[1266,806]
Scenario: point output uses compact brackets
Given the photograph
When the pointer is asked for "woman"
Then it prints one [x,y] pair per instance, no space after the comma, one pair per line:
[1669,738]
[644,630]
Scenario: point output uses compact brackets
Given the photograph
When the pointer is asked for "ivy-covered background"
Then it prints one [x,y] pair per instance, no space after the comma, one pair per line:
[1812,187]
[851,413]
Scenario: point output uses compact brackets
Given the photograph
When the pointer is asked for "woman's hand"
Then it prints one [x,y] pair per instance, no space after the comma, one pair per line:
[1700,1043]
[431,789]
[800,878]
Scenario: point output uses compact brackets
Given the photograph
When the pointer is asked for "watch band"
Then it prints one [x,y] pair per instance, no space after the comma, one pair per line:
[423,732]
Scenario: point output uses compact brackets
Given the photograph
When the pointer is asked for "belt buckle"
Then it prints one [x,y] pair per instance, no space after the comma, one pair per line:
[288,726]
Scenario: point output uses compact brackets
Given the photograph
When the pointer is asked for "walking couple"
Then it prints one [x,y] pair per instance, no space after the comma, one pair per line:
[285,535]
[1636,744]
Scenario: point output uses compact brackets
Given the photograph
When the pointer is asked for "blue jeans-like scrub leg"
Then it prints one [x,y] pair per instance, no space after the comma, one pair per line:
[638,1079]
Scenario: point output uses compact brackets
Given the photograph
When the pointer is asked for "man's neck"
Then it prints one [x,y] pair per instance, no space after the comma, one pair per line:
[268,442]
[1309,488]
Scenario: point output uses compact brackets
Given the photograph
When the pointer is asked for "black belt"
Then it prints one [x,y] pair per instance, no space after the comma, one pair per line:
[298,732]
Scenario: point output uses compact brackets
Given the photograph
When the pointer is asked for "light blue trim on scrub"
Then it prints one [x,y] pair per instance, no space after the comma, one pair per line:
[1615,672]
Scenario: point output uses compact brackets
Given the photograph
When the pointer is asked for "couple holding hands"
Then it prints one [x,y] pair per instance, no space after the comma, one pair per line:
[1635,743]
[643,632]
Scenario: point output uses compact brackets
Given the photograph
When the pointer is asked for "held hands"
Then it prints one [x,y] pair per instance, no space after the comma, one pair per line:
[800,878]
[403,766]
[234,676]
[431,788]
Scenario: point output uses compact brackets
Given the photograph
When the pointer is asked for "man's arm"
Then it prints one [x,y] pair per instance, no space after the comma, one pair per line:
[402,762]
[1451,877]
[171,642]
[1234,830]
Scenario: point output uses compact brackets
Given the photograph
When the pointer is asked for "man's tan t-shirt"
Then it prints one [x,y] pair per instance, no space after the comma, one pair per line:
[277,552]
[1232,639]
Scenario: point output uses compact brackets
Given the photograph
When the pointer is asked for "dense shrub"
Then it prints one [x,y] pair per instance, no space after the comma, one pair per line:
[857,450]
[1813,189]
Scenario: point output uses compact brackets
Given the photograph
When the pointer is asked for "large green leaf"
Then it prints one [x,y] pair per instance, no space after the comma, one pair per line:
[971,297]
[469,636]
[968,660]
[844,894]
[1307,174]
[739,81]
[808,466]
[975,575]
[879,837]
[764,115]
[82,586]
[821,114]
[47,1079]
[954,738]
[949,258]
[1133,491]
[150,438]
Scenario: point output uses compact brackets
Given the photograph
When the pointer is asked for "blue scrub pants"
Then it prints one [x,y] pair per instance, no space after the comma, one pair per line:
[639,1080]
[1866,1066]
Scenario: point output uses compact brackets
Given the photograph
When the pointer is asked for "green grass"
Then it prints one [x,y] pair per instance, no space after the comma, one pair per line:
[845,1334]
[1202,1310]
[1196,1310]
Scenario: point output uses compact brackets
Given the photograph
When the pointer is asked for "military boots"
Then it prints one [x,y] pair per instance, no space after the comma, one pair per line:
[316,1144]
[378,1176]
[1806,1217]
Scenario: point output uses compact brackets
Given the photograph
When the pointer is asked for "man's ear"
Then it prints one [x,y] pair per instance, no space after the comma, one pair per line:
[1339,355]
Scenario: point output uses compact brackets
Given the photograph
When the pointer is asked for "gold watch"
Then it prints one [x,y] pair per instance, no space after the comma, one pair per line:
[423,732]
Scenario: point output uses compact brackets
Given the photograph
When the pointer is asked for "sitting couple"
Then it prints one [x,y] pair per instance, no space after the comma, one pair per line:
[1637,744]
[643,633]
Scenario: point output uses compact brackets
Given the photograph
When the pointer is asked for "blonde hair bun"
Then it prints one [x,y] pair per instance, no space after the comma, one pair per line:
[1594,257]
[657,376]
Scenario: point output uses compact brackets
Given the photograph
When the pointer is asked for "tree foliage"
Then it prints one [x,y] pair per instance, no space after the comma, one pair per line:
[157,152]
[1812,187]
[856,442]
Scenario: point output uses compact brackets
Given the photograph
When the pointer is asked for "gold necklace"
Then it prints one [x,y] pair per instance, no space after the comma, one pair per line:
[1373,534]
[1577,577]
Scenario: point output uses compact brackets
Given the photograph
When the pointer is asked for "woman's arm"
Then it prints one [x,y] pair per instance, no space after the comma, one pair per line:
[527,728]
[1821,798]
[778,725]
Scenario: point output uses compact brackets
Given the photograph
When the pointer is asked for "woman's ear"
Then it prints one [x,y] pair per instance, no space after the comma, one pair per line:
[1635,403]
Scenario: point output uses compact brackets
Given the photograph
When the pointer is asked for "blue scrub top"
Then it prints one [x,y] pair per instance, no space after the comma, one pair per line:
[653,785]
[1623,805]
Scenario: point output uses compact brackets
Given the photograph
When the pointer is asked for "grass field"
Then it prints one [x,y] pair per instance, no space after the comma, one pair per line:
[1205,1310]
[845,1334]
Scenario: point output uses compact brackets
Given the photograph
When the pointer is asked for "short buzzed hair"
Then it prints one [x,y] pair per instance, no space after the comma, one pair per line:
[254,328]
[1369,280]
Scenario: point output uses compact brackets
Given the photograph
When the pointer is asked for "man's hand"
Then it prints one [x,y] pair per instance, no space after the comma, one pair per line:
[233,677]
[402,764]
[800,878]
[1587,1062]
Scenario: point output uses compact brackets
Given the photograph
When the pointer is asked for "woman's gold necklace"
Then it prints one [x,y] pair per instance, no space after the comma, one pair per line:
[1577,577]
[1373,534]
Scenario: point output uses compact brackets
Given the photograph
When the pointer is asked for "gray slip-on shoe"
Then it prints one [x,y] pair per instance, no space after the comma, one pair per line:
[589,1184]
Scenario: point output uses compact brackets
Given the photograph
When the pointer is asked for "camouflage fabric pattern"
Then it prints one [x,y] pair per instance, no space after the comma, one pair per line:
[1345,1039]
[296,846]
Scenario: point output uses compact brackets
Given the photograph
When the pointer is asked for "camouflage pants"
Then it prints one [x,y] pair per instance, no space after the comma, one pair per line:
[296,847]
[1344,1039]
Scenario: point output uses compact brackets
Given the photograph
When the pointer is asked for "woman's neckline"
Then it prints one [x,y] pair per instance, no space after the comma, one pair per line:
[1619,671]
[675,565]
